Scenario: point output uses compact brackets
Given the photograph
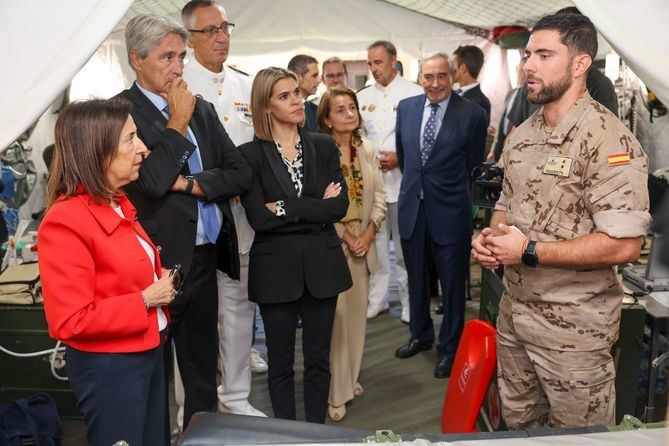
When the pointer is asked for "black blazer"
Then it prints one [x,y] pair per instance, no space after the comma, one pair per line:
[302,248]
[477,97]
[170,218]
[310,116]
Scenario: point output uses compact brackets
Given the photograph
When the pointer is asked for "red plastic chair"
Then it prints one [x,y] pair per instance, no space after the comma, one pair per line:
[474,365]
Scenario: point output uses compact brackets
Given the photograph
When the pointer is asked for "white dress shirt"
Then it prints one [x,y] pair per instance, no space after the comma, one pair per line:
[378,107]
[162,319]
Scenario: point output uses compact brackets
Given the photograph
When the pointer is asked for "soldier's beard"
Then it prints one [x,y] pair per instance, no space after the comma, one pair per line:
[551,92]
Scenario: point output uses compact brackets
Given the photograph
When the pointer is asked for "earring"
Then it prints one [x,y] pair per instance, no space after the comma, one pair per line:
[330,126]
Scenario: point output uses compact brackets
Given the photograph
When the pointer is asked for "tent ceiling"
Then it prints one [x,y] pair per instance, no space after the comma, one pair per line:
[159,7]
[471,13]
[484,13]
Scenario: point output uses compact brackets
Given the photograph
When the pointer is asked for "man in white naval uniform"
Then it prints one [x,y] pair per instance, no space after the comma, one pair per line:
[378,105]
[230,92]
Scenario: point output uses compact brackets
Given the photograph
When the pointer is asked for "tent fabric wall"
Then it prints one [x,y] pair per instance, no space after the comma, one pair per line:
[334,27]
[638,32]
[279,30]
[46,49]
[46,54]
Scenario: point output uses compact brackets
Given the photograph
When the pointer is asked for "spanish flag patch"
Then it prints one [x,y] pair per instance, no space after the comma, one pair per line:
[619,159]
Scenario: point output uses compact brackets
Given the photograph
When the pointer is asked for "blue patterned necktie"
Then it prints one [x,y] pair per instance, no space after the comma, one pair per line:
[429,134]
[207,210]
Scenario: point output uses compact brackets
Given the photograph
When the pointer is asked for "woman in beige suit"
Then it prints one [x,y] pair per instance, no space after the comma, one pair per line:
[339,116]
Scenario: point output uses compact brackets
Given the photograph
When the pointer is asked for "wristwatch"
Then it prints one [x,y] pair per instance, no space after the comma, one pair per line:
[189,185]
[530,257]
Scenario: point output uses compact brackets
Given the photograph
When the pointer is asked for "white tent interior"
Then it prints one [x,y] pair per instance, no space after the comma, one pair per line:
[49,50]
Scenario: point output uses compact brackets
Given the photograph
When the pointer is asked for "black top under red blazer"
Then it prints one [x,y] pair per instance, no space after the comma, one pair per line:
[302,248]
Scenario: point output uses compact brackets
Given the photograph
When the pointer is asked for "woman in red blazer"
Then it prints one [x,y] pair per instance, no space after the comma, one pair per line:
[105,294]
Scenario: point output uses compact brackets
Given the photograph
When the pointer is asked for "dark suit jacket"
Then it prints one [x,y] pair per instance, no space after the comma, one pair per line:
[477,97]
[310,117]
[302,248]
[444,179]
[501,134]
[170,218]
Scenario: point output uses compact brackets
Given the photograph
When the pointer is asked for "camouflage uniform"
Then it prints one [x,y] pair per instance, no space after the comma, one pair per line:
[556,326]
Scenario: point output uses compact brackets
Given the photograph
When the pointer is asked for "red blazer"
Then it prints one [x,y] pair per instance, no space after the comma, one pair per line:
[93,269]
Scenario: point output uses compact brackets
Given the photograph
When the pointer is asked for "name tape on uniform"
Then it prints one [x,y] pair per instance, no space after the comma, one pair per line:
[558,165]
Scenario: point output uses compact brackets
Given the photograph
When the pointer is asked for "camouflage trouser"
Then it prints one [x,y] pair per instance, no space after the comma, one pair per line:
[544,387]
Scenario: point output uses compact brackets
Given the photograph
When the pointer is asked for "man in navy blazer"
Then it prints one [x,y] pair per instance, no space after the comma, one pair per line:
[440,138]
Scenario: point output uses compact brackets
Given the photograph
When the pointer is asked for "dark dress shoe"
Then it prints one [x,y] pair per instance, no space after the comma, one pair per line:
[443,368]
[411,349]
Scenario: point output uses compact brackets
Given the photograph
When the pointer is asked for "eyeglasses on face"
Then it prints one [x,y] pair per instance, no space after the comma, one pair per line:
[211,31]
[339,74]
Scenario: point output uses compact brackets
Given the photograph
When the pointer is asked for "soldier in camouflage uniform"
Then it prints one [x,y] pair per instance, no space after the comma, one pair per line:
[574,204]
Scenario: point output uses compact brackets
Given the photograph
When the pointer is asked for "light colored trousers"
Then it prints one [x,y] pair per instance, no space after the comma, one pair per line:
[380,281]
[348,331]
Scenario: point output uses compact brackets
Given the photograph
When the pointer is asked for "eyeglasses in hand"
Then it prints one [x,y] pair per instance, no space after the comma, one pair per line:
[177,274]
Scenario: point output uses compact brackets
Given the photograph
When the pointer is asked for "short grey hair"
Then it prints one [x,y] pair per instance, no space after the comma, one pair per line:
[188,10]
[144,32]
[436,56]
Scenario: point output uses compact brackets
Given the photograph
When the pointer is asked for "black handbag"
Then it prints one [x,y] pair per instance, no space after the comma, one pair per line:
[31,421]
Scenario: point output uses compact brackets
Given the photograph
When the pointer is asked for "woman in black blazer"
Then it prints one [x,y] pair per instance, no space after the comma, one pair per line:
[297,265]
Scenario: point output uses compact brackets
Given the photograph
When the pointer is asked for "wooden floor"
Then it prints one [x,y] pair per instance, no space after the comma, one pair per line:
[400,394]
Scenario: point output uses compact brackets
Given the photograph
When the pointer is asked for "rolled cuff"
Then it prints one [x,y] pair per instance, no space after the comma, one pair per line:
[280,209]
[622,223]
[500,205]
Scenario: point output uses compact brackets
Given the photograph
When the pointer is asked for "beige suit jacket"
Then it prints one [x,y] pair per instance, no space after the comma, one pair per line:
[373,199]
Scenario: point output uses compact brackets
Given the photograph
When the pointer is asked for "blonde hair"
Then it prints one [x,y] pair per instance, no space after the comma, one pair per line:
[261,93]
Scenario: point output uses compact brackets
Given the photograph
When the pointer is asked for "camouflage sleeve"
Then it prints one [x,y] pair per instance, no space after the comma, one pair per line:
[501,204]
[615,182]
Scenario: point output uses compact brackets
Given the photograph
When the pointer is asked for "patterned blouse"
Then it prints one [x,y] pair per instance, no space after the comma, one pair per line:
[296,171]
[352,174]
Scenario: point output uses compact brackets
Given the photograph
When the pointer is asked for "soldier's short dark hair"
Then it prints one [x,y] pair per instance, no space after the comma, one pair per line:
[300,64]
[472,57]
[576,32]
[569,10]
[388,46]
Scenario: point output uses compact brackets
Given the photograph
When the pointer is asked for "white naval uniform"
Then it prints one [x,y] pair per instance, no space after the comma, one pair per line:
[378,107]
[230,92]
